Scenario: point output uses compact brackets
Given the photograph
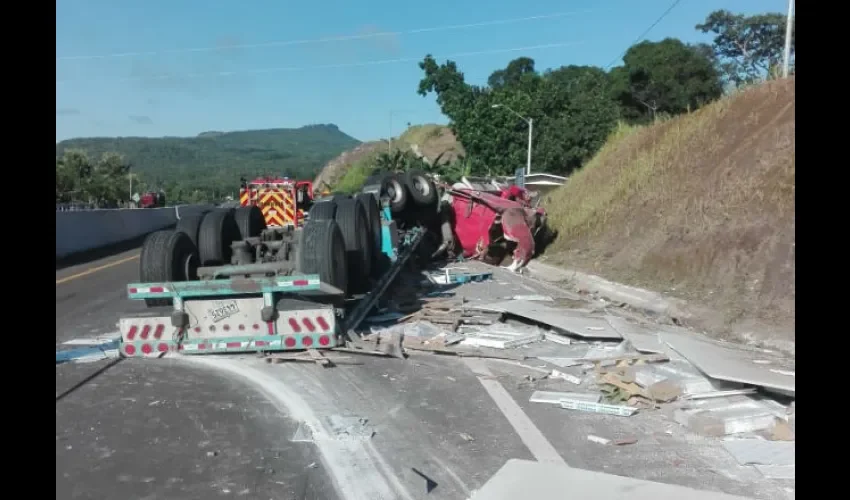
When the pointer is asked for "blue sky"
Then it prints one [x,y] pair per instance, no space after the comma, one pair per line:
[181,67]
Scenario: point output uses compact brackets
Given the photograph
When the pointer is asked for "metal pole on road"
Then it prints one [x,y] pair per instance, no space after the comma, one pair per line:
[530,122]
[788,23]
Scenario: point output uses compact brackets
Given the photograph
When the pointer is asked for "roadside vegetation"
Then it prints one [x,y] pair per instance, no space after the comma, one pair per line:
[576,108]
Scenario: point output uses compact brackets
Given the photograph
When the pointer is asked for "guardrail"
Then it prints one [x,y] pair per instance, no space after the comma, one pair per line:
[78,231]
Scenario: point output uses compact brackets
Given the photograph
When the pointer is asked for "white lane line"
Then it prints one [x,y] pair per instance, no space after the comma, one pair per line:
[530,435]
[358,470]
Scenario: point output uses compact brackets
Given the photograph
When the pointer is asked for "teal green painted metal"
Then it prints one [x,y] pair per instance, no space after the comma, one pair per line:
[240,286]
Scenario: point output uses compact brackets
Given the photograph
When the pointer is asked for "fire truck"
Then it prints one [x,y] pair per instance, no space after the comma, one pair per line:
[283,201]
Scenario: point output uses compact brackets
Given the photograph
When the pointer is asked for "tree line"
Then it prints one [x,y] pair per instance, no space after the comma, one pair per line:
[574,108]
[103,182]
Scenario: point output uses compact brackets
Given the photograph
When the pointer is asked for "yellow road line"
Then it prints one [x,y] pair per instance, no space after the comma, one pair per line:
[96,269]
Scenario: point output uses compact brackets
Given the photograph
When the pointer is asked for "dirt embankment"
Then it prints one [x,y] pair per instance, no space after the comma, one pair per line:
[700,207]
[430,142]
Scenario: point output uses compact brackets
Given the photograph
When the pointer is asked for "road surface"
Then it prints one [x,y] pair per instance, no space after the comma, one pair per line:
[437,427]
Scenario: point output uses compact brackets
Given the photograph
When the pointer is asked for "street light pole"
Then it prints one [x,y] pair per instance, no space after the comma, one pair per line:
[530,122]
[528,159]
[787,55]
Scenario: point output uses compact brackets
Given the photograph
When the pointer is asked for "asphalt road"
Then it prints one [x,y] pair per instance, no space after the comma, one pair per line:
[232,426]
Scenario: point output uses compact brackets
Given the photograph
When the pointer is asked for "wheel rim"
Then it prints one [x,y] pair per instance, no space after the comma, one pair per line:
[190,267]
[422,186]
[394,191]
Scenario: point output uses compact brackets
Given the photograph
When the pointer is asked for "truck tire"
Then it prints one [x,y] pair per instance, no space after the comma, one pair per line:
[190,226]
[250,221]
[373,216]
[354,226]
[422,189]
[322,252]
[323,210]
[218,231]
[393,186]
[167,256]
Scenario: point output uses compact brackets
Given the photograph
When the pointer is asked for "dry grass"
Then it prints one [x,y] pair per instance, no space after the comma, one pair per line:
[347,171]
[701,206]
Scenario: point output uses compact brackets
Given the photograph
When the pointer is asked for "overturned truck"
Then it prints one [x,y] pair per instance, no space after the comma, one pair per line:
[224,281]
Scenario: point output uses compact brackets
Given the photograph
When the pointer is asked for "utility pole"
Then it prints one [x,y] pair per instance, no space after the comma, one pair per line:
[786,60]
[528,160]
[530,122]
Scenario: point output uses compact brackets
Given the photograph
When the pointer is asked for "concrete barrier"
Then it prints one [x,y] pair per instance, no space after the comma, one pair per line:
[89,230]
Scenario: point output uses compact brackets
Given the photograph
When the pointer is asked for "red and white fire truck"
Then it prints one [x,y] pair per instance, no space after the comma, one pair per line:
[282,200]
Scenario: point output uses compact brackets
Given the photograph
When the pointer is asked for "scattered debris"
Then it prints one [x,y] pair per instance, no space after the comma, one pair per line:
[550,481]
[777,471]
[726,362]
[728,417]
[606,409]
[466,437]
[553,397]
[309,356]
[570,321]
[597,439]
[430,484]
[760,452]
[625,441]
[555,374]
[533,298]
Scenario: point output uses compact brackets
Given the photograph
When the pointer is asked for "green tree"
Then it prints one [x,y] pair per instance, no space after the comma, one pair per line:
[665,77]
[748,47]
[570,106]
[103,182]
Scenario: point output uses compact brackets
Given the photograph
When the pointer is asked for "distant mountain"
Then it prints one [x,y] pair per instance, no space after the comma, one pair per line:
[213,161]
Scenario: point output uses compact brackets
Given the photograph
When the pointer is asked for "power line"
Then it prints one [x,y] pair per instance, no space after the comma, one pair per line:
[342,38]
[645,32]
[335,66]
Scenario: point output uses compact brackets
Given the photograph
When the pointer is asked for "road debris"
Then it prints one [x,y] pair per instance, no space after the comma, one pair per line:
[624,441]
[553,397]
[598,440]
[555,374]
[549,481]
[605,409]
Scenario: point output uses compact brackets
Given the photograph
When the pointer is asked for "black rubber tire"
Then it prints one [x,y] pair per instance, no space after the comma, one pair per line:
[191,225]
[250,221]
[354,226]
[167,256]
[322,252]
[218,231]
[421,188]
[393,186]
[323,210]
[373,216]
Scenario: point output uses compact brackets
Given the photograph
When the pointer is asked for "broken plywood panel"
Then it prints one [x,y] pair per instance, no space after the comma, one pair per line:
[548,481]
[760,452]
[643,338]
[571,321]
[777,471]
[725,362]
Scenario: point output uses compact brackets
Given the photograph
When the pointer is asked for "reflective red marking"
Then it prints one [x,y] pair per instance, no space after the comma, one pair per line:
[322,323]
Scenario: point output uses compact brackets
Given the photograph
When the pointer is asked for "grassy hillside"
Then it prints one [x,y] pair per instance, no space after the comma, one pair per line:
[700,206]
[214,161]
[428,141]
